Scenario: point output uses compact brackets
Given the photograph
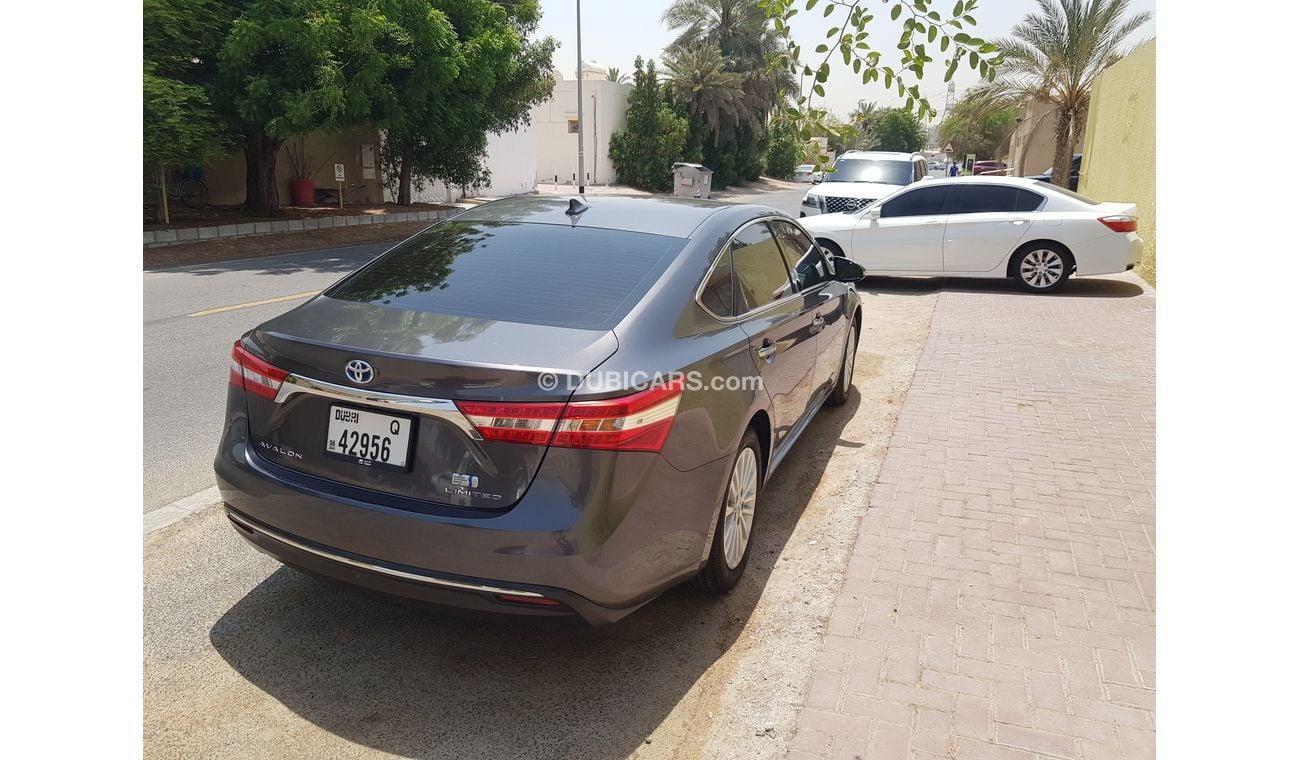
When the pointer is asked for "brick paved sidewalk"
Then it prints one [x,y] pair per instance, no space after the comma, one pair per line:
[1000,600]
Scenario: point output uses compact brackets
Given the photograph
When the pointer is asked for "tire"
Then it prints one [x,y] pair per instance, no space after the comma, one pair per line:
[1041,267]
[844,383]
[722,571]
[193,193]
[830,247]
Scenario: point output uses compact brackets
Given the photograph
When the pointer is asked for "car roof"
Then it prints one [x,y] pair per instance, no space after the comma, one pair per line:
[982,179]
[658,215]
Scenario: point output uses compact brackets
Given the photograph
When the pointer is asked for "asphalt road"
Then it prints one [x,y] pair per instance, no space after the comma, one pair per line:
[193,314]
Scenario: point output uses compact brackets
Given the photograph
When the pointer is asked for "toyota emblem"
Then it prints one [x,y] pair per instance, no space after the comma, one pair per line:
[360,372]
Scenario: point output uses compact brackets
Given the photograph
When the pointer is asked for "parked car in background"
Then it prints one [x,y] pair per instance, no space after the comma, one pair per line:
[989,167]
[807,173]
[453,422]
[990,227]
[861,177]
[1075,163]
[937,169]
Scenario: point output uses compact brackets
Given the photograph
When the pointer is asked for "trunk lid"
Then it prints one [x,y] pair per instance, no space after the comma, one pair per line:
[422,362]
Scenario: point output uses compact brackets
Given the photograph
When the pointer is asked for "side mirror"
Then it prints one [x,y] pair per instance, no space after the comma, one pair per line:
[847,270]
[873,212]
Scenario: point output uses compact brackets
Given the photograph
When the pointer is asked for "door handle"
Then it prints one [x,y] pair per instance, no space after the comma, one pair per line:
[1017,221]
[767,350]
[934,223]
[818,323]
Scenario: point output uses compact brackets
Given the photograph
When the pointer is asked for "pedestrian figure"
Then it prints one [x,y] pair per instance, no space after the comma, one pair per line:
[952,169]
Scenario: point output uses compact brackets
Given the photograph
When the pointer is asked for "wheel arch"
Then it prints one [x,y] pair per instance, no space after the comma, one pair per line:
[1065,249]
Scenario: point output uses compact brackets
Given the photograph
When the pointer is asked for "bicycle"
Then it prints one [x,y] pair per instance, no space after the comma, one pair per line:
[184,185]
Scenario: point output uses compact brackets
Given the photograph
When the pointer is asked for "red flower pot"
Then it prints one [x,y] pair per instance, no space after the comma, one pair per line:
[303,192]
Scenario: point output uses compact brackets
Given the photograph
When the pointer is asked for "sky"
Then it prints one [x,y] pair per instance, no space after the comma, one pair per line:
[615,32]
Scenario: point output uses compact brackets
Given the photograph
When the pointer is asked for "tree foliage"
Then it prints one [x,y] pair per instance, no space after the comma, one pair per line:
[654,138]
[979,127]
[784,152]
[899,129]
[929,29]
[438,130]
[436,74]
[1054,55]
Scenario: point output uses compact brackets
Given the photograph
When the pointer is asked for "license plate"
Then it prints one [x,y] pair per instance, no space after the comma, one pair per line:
[367,438]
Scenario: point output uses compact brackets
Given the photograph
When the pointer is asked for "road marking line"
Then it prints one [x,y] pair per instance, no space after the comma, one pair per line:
[264,301]
[180,509]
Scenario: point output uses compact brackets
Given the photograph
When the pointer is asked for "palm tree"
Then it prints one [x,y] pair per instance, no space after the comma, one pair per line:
[711,94]
[614,75]
[1055,55]
[744,36]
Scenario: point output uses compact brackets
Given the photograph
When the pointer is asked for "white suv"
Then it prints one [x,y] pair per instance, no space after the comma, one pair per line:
[861,177]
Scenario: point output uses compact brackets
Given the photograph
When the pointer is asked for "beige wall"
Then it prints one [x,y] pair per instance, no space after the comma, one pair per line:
[1119,155]
[1032,146]
[225,177]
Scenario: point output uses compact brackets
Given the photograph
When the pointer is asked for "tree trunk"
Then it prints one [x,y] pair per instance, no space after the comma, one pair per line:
[1064,149]
[162,185]
[404,176]
[261,196]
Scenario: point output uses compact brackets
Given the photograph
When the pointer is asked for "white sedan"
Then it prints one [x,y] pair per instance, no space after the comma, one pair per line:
[982,226]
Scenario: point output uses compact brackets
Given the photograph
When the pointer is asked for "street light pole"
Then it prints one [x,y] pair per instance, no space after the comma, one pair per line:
[582,176]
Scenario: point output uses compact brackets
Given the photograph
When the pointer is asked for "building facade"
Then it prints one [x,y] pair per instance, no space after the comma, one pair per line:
[1119,146]
[604,111]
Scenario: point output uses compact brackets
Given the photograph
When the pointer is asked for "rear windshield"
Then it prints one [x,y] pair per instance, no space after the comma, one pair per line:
[1070,194]
[542,274]
[872,170]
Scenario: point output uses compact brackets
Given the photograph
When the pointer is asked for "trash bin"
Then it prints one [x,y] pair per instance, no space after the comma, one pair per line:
[692,180]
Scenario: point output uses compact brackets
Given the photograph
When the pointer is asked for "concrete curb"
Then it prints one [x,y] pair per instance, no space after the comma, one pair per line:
[161,238]
[180,509]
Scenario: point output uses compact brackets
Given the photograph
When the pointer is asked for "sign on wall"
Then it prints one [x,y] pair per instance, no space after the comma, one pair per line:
[338,172]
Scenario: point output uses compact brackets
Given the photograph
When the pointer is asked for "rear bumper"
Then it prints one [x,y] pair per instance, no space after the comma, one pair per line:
[601,558]
[1109,254]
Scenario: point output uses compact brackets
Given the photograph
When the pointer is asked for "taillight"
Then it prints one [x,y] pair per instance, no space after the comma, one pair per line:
[1120,222]
[512,423]
[639,422]
[254,375]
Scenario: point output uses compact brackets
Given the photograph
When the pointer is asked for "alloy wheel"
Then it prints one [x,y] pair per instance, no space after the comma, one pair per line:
[738,518]
[1042,268]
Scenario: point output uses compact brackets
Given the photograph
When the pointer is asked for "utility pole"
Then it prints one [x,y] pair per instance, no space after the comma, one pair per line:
[582,176]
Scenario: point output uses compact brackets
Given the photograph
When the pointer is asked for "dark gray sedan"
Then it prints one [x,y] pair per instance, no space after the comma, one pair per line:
[541,406]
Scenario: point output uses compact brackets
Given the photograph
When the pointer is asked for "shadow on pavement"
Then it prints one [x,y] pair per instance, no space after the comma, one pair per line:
[1082,287]
[411,680]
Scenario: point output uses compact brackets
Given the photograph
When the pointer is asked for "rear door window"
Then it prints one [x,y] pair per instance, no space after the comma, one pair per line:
[760,274]
[545,274]
[984,199]
[925,201]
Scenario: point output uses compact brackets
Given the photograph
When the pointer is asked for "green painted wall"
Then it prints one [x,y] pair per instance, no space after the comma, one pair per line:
[1119,146]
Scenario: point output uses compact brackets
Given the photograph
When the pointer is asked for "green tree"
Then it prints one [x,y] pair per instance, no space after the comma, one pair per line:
[179,128]
[289,67]
[978,126]
[614,75]
[784,152]
[654,139]
[900,130]
[926,31]
[481,75]
[712,96]
[1055,55]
